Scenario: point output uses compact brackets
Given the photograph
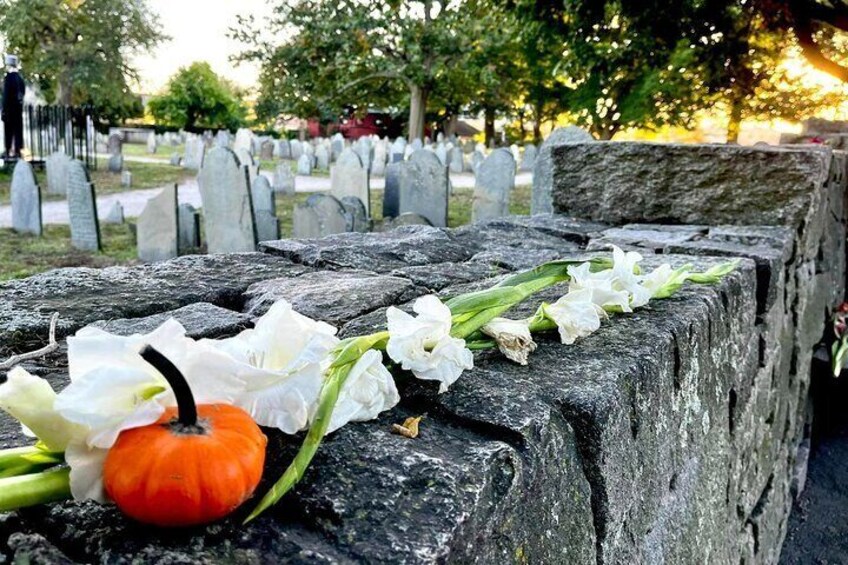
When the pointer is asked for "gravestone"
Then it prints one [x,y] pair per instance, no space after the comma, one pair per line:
[244,140]
[157,229]
[304,165]
[266,150]
[126,179]
[322,158]
[349,177]
[516,153]
[320,215]
[337,145]
[417,144]
[396,153]
[115,144]
[493,186]
[543,179]
[194,151]
[282,149]
[364,149]
[115,215]
[176,160]
[357,216]
[391,192]
[222,138]
[264,210]
[407,219]
[442,154]
[424,187]
[227,207]
[116,163]
[456,160]
[283,179]
[152,144]
[188,225]
[381,155]
[56,163]
[26,200]
[407,152]
[82,208]
[529,159]
[296,148]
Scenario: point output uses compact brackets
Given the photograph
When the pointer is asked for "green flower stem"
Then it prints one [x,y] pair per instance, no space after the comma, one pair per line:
[30,459]
[34,489]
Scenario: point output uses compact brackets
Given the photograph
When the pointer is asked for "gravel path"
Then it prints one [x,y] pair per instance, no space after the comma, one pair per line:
[133,201]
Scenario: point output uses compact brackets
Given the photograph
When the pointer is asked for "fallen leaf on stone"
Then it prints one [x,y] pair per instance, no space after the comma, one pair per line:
[409,428]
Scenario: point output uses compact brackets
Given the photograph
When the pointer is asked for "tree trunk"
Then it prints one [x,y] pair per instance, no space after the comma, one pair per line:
[489,129]
[537,124]
[64,89]
[450,124]
[417,111]
[734,124]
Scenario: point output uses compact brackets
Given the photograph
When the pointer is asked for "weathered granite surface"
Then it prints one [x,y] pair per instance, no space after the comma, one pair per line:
[670,435]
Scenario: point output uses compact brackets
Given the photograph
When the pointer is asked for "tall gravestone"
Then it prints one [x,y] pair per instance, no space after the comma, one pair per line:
[116,163]
[194,152]
[158,229]
[115,144]
[304,165]
[543,178]
[266,150]
[337,145]
[493,186]
[152,144]
[244,140]
[188,225]
[227,206]
[264,210]
[283,179]
[396,153]
[322,158]
[82,208]
[296,147]
[320,215]
[424,187]
[357,217]
[26,200]
[529,158]
[56,165]
[417,144]
[282,149]
[349,177]
[456,160]
[381,155]
[391,192]
[442,153]
[364,149]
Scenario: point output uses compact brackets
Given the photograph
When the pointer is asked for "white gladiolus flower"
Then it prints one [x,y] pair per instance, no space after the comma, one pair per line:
[86,465]
[281,362]
[29,399]
[423,344]
[624,271]
[605,292]
[512,337]
[575,315]
[113,389]
[368,390]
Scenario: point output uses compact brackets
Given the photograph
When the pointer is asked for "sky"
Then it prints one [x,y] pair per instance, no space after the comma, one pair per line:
[198,29]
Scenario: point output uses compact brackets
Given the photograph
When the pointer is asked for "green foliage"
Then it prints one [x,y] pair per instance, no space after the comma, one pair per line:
[78,52]
[196,97]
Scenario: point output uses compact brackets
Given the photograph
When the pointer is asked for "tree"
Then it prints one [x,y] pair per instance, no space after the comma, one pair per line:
[196,97]
[79,52]
[348,52]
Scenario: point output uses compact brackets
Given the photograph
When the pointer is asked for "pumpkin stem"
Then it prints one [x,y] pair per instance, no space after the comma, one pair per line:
[186,408]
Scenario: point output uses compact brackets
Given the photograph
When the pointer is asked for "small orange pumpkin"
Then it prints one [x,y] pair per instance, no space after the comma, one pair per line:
[196,464]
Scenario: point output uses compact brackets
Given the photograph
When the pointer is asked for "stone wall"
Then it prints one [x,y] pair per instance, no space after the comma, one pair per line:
[670,434]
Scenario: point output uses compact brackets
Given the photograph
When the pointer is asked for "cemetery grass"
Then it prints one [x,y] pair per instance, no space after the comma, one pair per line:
[163,152]
[25,255]
[144,175]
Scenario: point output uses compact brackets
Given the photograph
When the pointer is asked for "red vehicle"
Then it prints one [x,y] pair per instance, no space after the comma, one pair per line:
[374,122]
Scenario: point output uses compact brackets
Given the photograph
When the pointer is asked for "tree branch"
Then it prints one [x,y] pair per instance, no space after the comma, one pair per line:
[812,52]
[51,346]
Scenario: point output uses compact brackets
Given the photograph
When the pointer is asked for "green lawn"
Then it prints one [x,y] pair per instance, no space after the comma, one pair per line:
[163,152]
[144,175]
[25,255]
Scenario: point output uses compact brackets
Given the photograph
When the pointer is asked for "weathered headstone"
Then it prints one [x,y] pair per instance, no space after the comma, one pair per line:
[304,165]
[82,208]
[115,144]
[176,160]
[391,191]
[320,215]
[357,217]
[157,228]
[188,224]
[407,219]
[442,154]
[222,138]
[116,163]
[115,215]
[56,163]
[244,140]
[337,145]
[543,179]
[424,187]
[265,210]
[194,152]
[227,208]
[417,144]
[322,158]
[283,179]
[516,153]
[266,150]
[152,144]
[349,177]
[126,179]
[528,161]
[296,148]
[26,200]
[407,152]
[493,186]
[456,160]
[282,149]
[396,153]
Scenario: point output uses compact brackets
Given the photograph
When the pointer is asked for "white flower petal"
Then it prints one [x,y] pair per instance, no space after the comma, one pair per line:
[575,315]
[368,391]
[282,401]
[86,471]
[30,400]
